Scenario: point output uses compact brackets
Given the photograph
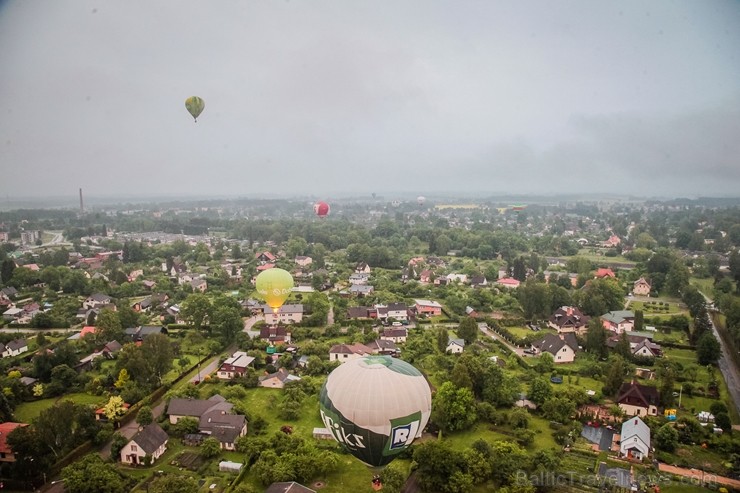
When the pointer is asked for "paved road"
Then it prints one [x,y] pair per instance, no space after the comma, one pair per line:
[497,337]
[205,370]
[249,323]
[699,476]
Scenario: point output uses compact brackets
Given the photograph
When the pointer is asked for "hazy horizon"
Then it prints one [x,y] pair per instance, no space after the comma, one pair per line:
[329,98]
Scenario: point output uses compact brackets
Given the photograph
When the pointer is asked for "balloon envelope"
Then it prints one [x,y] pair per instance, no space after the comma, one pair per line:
[195,106]
[321,209]
[274,285]
[375,407]
[420,200]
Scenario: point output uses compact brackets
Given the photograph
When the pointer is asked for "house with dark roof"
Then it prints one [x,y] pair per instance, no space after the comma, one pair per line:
[384,346]
[361,312]
[563,347]
[224,427]
[14,348]
[291,313]
[6,453]
[455,346]
[278,379]
[288,487]
[361,289]
[96,300]
[179,408]
[638,400]
[362,268]
[641,287]
[137,334]
[274,334]
[150,441]
[569,319]
[395,334]
[347,352]
[640,346]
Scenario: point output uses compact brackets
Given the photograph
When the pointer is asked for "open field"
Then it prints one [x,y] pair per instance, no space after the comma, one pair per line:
[27,411]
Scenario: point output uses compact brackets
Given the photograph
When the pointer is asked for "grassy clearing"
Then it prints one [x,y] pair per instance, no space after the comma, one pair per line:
[27,411]
[706,286]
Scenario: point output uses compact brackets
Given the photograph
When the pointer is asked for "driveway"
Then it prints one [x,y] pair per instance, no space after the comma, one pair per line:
[698,476]
[249,323]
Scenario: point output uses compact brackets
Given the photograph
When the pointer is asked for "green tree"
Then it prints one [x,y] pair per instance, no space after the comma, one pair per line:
[453,408]
[468,330]
[227,321]
[393,477]
[707,349]
[144,416]
[558,409]
[196,310]
[442,337]
[639,320]
[437,464]
[92,474]
[210,448]
[666,438]
[596,338]
[623,346]
[108,326]
[117,443]
[615,376]
[722,420]
[539,390]
[6,271]
[535,299]
[172,483]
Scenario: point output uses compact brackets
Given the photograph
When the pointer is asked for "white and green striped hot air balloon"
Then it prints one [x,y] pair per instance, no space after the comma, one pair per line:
[375,407]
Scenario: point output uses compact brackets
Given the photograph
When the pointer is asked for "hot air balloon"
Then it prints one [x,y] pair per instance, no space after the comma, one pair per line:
[375,407]
[274,285]
[321,209]
[421,199]
[195,106]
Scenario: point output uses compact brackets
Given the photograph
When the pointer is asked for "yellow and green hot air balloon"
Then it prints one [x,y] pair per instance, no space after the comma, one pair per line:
[195,106]
[274,285]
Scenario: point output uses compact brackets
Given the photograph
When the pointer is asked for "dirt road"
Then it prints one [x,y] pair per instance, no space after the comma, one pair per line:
[699,477]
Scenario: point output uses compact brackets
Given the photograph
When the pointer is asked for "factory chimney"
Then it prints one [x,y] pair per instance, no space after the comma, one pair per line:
[82,207]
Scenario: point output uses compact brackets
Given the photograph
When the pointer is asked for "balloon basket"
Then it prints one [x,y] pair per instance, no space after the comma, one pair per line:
[376,484]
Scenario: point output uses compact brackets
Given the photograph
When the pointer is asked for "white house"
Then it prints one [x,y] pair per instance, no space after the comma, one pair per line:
[287,314]
[635,439]
[455,346]
[149,441]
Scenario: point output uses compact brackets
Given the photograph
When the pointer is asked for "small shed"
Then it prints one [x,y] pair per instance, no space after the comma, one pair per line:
[228,466]
[322,434]
[193,439]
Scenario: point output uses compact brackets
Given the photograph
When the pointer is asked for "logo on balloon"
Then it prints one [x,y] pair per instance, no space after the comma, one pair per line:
[350,440]
[403,432]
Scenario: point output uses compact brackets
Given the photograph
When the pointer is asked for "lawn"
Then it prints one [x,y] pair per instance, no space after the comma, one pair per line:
[657,307]
[706,286]
[27,411]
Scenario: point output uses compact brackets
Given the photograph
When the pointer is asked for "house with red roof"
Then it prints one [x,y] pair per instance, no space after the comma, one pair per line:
[602,272]
[6,453]
[265,257]
[508,282]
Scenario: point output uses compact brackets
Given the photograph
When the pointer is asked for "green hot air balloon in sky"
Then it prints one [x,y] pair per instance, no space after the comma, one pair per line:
[274,285]
[195,106]
[375,407]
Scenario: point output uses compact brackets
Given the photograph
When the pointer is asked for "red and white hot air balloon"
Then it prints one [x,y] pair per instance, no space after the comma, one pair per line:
[321,209]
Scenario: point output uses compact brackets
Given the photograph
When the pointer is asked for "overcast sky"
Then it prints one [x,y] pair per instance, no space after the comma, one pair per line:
[330,98]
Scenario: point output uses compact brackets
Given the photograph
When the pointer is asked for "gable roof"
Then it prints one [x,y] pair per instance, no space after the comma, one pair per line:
[5,429]
[288,487]
[634,394]
[635,427]
[282,374]
[197,407]
[224,427]
[239,359]
[553,343]
[358,348]
[569,316]
[618,316]
[16,344]
[150,438]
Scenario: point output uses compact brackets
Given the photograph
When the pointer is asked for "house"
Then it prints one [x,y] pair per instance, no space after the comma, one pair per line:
[303,261]
[97,300]
[602,273]
[14,348]
[634,439]
[150,441]
[471,312]
[563,347]
[135,274]
[638,400]
[459,278]
[641,287]
[137,334]
[179,408]
[10,292]
[508,283]
[619,321]
[384,346]
[199,285]
[287,314]
[362,268]
[265,257]
[111,349]
[396,334]
[361,289]
[274,334]
[640,346]
[224,427]
[6,453]
[568,319]
[455,346]
[428,308]
[288,487]
[394,311]
[149,285]
[235,366]
[347,352]
[478,281]
[278,379]
[12,314]
[361,313]
[426,276]
[359,278]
